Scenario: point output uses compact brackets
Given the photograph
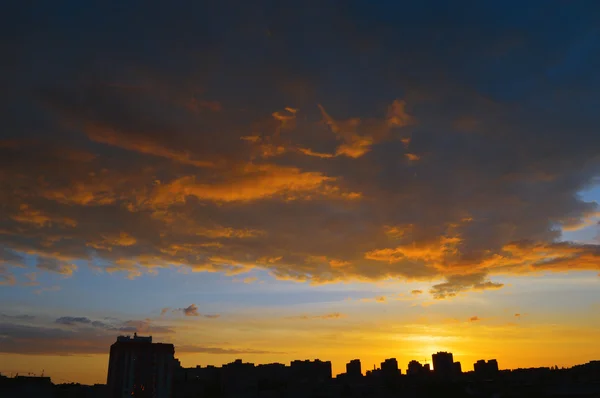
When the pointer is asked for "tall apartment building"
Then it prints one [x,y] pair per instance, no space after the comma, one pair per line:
[137,367]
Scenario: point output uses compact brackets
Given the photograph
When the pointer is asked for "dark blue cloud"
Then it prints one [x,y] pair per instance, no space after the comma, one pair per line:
[113,106]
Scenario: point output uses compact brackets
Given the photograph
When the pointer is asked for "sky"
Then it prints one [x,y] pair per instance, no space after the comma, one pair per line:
[277,180]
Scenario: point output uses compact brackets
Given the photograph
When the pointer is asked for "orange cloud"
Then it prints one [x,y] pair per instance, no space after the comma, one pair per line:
[37,217]
[139,144]
[435,253]
[474,319]
[253,182]
[527,256]
[96,188]
[286,118]
[108,242]
[357,136]
[353,145]
[310,152]
[228,232]
[397,232]
[397,116]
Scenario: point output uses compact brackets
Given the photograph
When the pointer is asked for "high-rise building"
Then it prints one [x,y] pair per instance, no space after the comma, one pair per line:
[389,368]
[485,369]
[353,368]
[457,368]
[443,364]
[479,367]
[137,367]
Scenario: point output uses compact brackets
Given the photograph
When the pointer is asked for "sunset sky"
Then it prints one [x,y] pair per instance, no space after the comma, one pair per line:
[278,180]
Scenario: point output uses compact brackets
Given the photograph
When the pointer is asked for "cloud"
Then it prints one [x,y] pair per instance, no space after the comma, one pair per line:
[81,336]
[21,317]
[38,218]
[397,115]
[10,257]
[69,320]
[359,136]
[116,325]
[251,182]
[378,299]
[191,310]
[461,283]
[333,315]
[53,288]
[151,164]
[7,278]
[138,144]
[474,319]
[53,265]
[142,326]
[416,292]
[107,243]
[39,340]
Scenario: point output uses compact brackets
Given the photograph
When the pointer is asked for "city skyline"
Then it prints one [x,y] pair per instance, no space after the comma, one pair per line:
[273,180]
[354,366]
[140,367]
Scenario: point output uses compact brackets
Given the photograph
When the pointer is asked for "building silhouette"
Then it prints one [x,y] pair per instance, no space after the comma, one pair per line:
[443,364]
[137,367]
[136,364]
[389,368]
[486,370]
[456,368]
[353,368]
[414,368]
[311,371]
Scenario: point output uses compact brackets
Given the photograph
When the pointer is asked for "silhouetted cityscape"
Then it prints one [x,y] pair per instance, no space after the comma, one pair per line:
[140,368]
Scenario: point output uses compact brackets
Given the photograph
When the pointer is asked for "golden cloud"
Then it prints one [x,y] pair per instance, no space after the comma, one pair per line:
[332,199]
[252,182]
[37,217]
